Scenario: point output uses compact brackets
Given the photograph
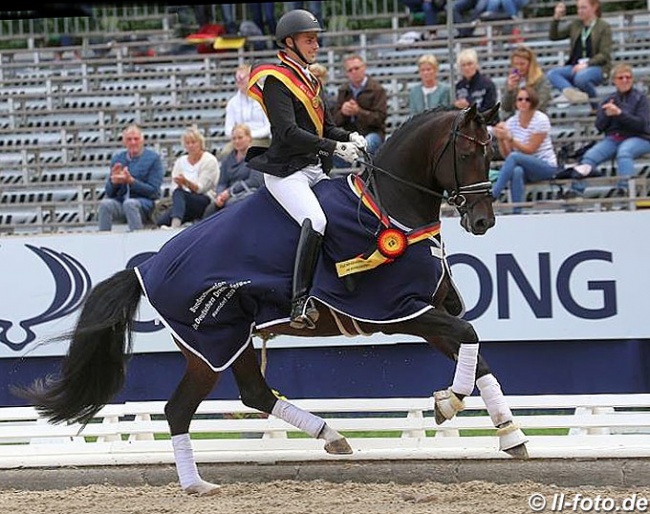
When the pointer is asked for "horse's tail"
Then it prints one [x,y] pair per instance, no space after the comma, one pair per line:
[93,370]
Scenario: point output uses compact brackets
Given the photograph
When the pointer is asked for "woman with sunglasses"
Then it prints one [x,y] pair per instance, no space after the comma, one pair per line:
[525,142]
[624,117]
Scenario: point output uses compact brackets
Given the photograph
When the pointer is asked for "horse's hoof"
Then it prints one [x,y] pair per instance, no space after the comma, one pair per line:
[518,452]
[339,447]
[203,488]
[513,441]
[446,404]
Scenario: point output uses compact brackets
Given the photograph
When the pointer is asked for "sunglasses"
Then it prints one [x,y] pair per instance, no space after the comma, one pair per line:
[523,99]
[353,68]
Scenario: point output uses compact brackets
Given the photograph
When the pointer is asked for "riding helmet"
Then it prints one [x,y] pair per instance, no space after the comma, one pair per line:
[294,22]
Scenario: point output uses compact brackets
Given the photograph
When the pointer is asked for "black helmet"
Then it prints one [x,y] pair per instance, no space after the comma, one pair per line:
[294,22]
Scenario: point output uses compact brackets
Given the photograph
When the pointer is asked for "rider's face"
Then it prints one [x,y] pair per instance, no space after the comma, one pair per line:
[307,44]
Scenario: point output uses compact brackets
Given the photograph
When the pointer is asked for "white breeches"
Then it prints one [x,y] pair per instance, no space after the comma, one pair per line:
[295,195]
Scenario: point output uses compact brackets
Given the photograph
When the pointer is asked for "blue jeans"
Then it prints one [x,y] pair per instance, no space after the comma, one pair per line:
[130,209]
[475,8]
[585,80]
[624,151]
[430,10]
[518,169]
[510,7]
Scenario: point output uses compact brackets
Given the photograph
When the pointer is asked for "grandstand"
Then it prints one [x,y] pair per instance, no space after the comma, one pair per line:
[61,119]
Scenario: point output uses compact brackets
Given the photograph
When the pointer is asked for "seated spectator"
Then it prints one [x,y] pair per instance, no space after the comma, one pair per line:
[241,108]
[362,104]
[525,142]
[321,73]
[430,8]
[589,54]
[193,176]
[466,11]
[429,93]
[524,71]
[236,180]
[624,117]
[133,185]
[263,15]
[500,9]
[473,87]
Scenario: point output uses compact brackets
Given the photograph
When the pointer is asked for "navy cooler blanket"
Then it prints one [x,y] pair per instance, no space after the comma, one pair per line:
[216,280]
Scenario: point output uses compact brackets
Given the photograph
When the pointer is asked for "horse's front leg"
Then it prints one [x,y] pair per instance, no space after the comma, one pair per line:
[445,333]
[458,340]
[255,393]
[197,382]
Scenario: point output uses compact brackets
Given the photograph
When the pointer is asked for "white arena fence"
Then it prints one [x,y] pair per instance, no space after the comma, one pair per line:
[594,426]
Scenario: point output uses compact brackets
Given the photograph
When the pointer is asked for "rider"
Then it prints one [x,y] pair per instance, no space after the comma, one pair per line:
[303,140]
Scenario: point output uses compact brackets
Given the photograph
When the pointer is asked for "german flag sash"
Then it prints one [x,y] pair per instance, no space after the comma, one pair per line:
[391,242]
[291,76]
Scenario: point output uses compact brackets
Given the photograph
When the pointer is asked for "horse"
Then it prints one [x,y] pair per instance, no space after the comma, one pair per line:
[389,276]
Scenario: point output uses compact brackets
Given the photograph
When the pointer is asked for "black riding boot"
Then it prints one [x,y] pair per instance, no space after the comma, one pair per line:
[303,315]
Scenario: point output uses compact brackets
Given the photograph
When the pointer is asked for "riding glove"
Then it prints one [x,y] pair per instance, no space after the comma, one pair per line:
[359,141]
[346,151]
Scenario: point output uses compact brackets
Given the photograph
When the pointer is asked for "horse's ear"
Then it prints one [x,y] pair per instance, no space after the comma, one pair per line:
[470,113]
[492,115]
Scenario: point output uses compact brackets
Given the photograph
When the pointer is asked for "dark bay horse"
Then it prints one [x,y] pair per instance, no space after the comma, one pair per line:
[383,269]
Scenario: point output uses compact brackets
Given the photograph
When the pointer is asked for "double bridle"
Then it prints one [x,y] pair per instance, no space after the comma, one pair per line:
[458,196]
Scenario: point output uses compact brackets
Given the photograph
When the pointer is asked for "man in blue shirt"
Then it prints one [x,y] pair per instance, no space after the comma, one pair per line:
[133,185]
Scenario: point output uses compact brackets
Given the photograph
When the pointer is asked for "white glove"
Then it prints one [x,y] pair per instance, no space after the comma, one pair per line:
[359,141]
[347,151]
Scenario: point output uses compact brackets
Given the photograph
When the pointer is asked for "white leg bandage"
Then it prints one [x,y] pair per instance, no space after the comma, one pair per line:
[188,474]
[305,421]
[465,374]
[494,400]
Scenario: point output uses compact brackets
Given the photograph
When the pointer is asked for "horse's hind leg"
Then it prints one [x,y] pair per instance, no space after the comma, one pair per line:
[195,385]
[256,393]
[512,440]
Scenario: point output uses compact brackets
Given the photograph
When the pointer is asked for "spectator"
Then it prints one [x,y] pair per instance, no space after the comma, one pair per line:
[589,59]
[243,109]
[497,9]
[524,71]
[525,142]
[473,87]
[193,176]
[471,8]
[236,180]
[321,73]
[362,104]
[429,93]
[624,117]
[134,183]
[430,8]
[263,14]
[228,14]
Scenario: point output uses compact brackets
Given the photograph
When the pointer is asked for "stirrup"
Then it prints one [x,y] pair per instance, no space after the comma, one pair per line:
[303,314]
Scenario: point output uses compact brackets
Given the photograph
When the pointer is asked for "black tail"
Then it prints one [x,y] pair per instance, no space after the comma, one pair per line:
[93,370]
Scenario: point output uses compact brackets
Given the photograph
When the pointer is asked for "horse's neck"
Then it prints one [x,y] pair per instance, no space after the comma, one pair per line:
[404,203]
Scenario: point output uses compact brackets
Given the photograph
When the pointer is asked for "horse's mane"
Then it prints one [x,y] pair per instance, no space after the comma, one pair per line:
[415,120]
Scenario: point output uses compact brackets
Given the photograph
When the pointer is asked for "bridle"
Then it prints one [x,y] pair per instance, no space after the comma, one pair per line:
[456,197]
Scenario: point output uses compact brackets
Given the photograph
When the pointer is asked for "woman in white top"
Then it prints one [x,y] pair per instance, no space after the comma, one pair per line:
[193,176]
[525,141]
[242,109]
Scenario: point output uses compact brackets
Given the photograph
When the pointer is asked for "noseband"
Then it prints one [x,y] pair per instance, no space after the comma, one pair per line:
[458,196]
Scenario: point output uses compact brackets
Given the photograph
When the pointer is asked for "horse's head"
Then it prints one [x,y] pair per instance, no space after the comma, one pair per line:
[463,166]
